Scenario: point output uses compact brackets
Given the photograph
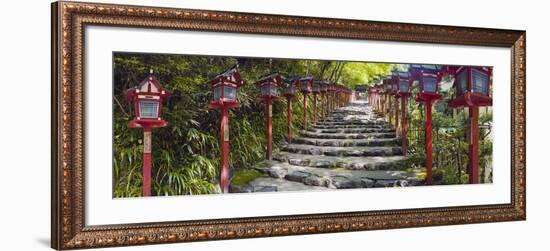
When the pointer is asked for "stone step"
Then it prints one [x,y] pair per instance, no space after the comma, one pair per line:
[352,163]
[353,130]
[269,184]
[340,142]
[374,135]
[355,151]
[339,178]
[350,122]
[349,126]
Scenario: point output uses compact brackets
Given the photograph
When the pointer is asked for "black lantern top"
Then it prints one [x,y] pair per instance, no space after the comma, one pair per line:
[305,84]
[401,82]
[428,77]
[289,86]
[316,87]
[268,85]
[225,85]
[387,85]
[472,85]
[147,97]
[323,88]
[332,88]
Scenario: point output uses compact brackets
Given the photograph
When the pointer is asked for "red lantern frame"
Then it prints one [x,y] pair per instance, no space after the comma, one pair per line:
[271,81]
[231,78]
[149,90]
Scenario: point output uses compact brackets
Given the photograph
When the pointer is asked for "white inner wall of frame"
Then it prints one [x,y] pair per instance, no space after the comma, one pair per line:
[101,208]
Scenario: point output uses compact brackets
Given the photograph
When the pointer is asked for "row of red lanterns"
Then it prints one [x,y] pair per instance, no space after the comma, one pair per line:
[149,96]
[472,90]
[225,88]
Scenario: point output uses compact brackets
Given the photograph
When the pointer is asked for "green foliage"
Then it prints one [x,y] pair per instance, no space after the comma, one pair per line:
[450,147]
[186,153]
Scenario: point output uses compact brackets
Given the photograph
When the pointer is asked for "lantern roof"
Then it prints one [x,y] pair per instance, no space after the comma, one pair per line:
[231,75]
[417,69]
[291,79]
[270,78]
[362,88]
[149,85]
[308,78]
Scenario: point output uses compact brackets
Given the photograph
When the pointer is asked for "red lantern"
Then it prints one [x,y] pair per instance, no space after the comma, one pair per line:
[473,89]
[472,86]
[224,89]
[224,96]
[402,86]
[147,97]
[268,93]
[428,77]
[388,91]
[269,86]
[289,86]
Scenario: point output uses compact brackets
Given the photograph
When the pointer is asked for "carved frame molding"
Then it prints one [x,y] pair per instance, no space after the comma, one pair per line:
[68,22]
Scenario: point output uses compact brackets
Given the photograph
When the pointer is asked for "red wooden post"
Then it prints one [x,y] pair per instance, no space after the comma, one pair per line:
[321,106]
[396,115]
[390,106]
[383,102]
[314,109]
[404,125]
[326,105]
[147,98]
[305,111]
[474,145]
[429,142]
[147,161]
[269,128]
[224,139]
[289,118]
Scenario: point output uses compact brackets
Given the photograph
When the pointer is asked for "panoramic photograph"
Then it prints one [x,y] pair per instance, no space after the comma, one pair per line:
[199,125]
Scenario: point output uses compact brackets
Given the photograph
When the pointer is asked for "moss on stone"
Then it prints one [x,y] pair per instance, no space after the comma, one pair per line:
[243,177]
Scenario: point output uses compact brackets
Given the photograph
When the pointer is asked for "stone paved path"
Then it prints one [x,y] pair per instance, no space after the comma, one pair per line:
[351,148]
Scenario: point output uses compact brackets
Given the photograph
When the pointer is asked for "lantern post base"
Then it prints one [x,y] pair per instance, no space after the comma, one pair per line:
[314,109]
[305,111]
[397,115]
[224,141]
[146,161]
[269,129]
[224,138]
[429,100]
[289,118]
[404,125]
[473,148]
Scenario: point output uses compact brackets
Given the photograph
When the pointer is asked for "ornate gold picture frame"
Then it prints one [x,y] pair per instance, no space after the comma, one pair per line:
[69,230]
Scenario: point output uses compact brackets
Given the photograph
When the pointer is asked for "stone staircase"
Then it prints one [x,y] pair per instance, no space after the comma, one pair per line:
[351,148]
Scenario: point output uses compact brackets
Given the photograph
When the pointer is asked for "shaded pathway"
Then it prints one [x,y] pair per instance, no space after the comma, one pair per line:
[351,148]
